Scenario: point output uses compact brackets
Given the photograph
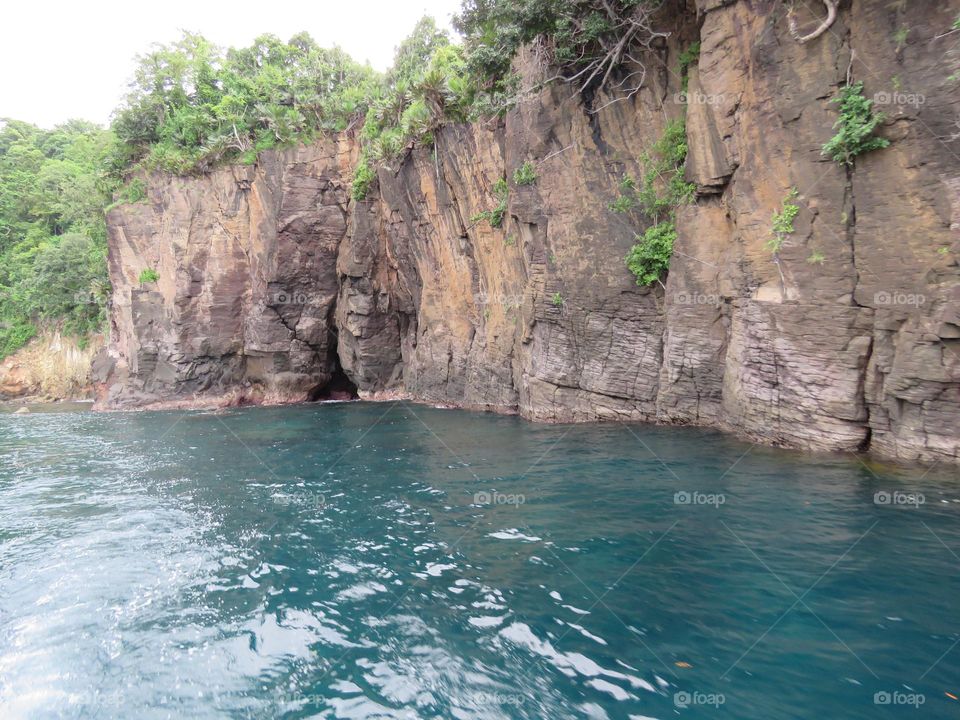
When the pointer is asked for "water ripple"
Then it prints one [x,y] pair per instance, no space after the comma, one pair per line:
[293,563]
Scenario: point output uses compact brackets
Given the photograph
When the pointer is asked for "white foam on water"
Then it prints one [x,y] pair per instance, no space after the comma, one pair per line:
[513,534]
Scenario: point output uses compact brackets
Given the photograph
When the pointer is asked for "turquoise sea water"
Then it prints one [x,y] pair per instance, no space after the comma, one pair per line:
[398,561]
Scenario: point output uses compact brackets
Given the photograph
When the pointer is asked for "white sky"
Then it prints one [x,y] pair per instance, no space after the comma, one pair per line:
[73,59]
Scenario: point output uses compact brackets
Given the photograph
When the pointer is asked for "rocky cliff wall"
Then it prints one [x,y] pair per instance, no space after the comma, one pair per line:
[244,305]
[273,285]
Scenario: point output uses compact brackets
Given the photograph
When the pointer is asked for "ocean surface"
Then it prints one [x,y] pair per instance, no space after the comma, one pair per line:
[390,560]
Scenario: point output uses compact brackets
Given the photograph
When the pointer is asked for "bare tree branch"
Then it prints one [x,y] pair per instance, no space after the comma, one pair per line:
[820,30]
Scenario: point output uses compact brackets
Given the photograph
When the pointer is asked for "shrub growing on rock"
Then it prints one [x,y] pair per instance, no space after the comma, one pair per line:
[649,259]
[856,127]
[526,174]
[661,190]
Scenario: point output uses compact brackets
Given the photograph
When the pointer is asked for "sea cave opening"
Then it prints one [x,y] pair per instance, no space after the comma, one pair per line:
[339,387]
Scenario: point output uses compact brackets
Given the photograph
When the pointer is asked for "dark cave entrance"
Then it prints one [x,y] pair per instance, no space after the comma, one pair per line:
[340,387]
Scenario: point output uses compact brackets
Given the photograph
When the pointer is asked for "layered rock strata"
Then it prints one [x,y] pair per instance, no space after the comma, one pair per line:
[276,286]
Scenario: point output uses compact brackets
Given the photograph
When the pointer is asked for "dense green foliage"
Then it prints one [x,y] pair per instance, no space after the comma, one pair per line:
[192,104]
[661,190]
[133,191]
[363,178]
[52,234]
[856,127]
[426,85]
[148,275]
[649,259]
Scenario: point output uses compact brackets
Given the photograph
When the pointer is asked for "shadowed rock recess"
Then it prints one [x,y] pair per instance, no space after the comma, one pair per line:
[275,286]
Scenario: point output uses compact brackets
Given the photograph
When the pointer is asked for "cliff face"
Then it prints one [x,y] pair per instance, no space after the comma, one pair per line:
[274,286]
[247,285]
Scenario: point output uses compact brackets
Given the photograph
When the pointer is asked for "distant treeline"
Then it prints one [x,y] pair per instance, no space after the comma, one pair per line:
[193,106]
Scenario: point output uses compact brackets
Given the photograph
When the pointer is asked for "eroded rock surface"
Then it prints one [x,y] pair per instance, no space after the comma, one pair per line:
[243,309]
[273,283]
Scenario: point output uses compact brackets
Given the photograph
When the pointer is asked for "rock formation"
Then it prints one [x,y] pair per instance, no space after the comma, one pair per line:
[275,286]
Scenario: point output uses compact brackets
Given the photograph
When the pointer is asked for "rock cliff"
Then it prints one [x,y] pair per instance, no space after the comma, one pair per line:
[275,286]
